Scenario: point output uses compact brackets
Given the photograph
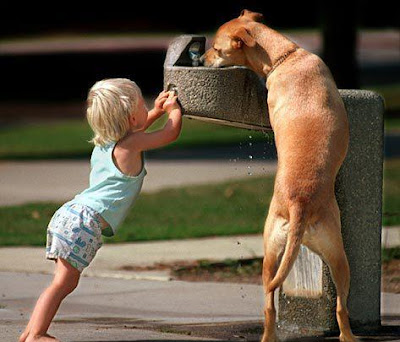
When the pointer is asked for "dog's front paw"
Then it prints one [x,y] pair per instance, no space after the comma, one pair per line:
[348,338]
[269,338]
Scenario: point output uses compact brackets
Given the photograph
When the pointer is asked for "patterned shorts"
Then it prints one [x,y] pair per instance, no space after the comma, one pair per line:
[74,234]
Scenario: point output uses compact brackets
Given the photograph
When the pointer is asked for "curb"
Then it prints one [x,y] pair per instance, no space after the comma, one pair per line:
[391,237]
[112,257]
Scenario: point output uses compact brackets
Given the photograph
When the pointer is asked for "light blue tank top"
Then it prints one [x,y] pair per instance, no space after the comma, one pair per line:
[111,193]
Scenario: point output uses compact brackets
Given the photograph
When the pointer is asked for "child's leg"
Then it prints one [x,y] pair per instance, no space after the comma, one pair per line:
[65,281]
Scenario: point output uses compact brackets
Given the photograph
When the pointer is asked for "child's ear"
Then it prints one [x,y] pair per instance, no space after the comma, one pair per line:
[132,120]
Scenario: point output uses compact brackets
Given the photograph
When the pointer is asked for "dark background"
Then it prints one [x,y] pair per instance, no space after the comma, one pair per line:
[67,76]
[184,16]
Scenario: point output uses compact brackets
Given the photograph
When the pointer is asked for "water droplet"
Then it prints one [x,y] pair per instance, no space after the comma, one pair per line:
[250,144]
[250,137]
[250,156]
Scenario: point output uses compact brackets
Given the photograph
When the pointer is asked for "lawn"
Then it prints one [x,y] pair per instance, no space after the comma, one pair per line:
[235,207]
[391,192]
[390,93]
[225,209]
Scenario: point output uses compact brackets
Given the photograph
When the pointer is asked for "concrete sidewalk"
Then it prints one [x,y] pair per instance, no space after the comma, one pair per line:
[104,309]
[112,304]
[112,260]
[120,310]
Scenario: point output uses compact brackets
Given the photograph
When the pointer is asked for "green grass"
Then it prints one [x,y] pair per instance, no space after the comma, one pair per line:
[225,209]
[392,124]
[389,254]
[391,192]
[25,224]
[69,139]
[391,94]
[55,139]
[235,207]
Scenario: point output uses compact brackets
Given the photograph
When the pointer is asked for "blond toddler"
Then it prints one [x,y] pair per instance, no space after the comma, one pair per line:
[118,116]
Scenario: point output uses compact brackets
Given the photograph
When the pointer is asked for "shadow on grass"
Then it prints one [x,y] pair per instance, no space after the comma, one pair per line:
[222,151]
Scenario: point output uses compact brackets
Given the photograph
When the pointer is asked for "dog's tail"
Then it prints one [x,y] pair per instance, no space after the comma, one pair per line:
[295,235]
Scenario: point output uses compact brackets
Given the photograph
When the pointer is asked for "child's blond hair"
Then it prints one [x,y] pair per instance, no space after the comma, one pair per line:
[110,103]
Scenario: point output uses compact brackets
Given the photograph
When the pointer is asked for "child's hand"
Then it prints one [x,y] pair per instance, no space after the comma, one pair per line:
[160,100]
[171,103]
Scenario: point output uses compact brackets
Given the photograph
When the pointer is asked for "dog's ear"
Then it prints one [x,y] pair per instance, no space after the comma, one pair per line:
[251,15]
[242,36]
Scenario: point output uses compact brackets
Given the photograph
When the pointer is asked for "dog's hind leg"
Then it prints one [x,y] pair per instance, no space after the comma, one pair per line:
[269,270]
[326,240]
[275,235]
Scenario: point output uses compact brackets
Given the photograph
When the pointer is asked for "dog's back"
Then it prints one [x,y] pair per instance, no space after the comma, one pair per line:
[310,125]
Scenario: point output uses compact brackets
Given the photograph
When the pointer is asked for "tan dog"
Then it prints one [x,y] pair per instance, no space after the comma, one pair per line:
[311,134]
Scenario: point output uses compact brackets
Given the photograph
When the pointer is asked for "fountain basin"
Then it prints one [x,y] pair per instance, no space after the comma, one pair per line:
[232,96]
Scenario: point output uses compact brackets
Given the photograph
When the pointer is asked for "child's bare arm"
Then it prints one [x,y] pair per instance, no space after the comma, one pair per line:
[158,110]
[142,141]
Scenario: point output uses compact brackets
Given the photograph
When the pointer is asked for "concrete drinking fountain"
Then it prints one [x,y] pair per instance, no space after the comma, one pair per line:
[243,101]
[236,96]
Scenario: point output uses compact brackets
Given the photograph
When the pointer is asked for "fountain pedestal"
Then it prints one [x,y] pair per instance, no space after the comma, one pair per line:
[308,296]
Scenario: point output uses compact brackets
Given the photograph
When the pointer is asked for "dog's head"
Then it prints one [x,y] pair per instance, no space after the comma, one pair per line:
[230,42]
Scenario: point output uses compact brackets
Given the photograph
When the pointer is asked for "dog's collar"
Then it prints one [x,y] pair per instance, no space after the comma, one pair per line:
[281,59]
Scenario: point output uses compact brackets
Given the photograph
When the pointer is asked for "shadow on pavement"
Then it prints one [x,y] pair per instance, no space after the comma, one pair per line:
[253,331]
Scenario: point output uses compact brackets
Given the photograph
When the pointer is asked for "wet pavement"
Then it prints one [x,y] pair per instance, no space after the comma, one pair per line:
[104,309]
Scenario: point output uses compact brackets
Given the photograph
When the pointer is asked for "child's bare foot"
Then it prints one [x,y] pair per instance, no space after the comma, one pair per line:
[41,338]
